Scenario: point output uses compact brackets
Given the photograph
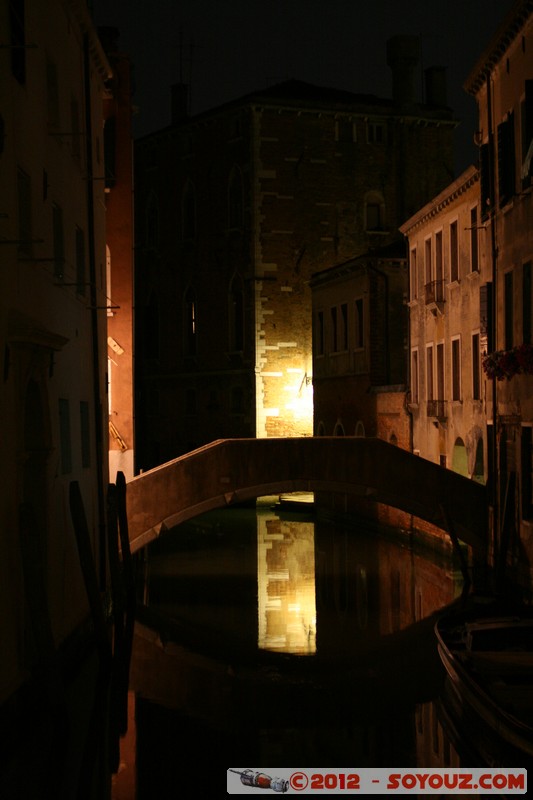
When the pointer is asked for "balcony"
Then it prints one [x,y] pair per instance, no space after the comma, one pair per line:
[434,295]
[437,409]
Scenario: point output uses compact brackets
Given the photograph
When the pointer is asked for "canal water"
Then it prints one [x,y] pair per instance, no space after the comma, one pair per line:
[269,636]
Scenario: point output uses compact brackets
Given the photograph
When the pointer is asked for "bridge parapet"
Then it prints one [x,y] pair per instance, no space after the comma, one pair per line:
[229,471]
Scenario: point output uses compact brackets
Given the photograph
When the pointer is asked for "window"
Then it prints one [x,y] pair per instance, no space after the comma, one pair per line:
[440,371]
[345,131]
[430,395]
[373,217]
[374,212]
[236,317]
[110,149]
[454,252]
[59,242]
[235,200]
[64,437]
[456,369]
[428,266]
[413,272]
[526,446]
[438,263]
[508,310]
[344,326]
[52,94]
[85,434]
[485,318]
[476,368]
[80,262]
[17,25]
[320,333]
[485,181]
[188,212]
[506,159]
[190,323]
[24,213]
[75,146]
[414,376]
[527,304]
[359,342]
[334,332]
[526,117]
[376,132]
[474,253]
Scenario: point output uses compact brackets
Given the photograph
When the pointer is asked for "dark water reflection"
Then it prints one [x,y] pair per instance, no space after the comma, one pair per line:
[270,638]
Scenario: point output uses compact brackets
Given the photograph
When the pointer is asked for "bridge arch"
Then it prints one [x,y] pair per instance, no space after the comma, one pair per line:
[230,471]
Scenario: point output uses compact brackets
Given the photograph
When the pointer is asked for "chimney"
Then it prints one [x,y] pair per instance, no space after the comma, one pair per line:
[403,56]
[436,93]
[180,103]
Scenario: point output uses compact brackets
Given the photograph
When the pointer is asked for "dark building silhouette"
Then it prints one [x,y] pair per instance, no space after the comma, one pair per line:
[235,209]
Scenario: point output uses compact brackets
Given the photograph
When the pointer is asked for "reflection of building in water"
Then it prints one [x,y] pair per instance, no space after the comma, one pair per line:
[286,585]
[370,584]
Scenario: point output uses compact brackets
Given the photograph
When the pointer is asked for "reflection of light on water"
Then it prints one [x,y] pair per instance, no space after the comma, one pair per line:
[286,585]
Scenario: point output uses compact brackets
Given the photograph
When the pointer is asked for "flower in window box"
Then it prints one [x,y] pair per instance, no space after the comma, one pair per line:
[507,363]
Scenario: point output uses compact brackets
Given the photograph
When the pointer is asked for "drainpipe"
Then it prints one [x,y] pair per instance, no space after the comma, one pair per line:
[98,412]
[494,255]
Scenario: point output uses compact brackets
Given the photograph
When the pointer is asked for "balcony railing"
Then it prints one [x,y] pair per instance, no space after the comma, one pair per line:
[437,409]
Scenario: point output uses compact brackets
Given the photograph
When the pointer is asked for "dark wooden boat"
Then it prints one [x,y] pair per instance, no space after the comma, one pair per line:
[488,694]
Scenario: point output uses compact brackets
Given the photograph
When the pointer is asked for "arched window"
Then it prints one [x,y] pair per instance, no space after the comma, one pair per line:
[190,320]
[374,211]
[236,316]
[479,465]
[188,212]
[152,221]
[339,429]
[459,459]
[235,199]
[360,430]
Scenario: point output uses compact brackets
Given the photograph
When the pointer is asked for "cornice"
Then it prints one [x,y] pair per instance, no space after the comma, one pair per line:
[506,34]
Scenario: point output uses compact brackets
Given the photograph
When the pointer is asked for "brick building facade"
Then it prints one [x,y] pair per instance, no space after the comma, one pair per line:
[471,301]
[53,396]
[235,210]
[502,84]
[446,261]
[360,341]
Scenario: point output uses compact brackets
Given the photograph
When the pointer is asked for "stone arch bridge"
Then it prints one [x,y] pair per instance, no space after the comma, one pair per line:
[230,471]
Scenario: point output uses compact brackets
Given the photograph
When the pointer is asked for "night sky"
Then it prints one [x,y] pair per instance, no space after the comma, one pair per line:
[227,48]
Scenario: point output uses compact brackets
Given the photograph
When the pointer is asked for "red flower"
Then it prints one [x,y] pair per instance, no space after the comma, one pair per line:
[507,363]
